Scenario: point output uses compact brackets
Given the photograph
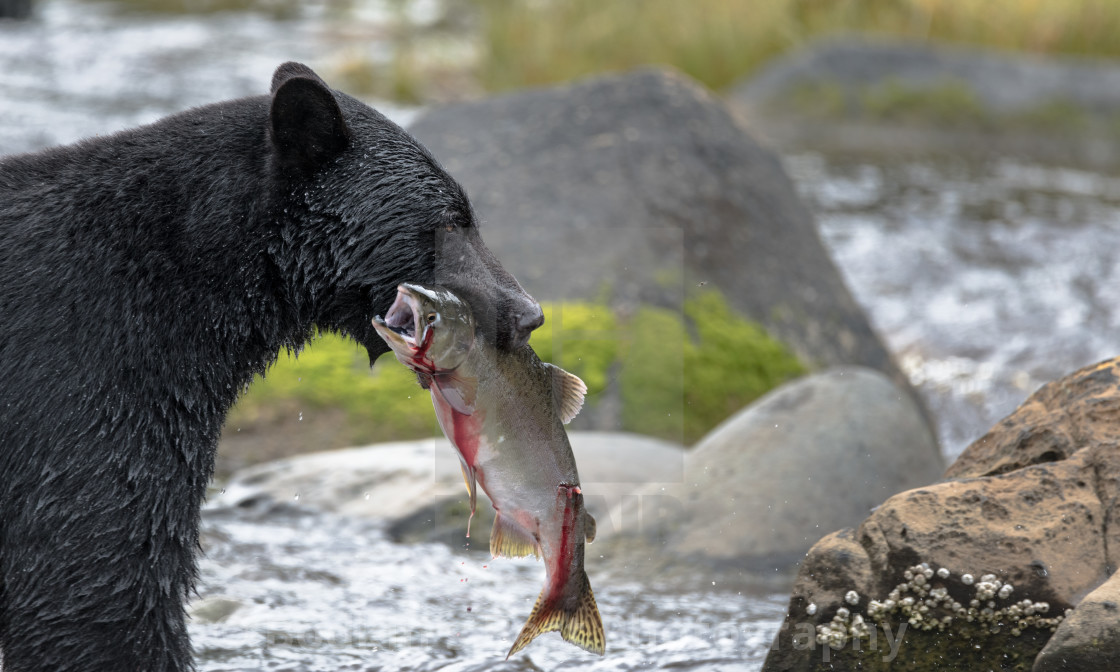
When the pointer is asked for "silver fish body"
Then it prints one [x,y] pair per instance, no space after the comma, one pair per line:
[505,412]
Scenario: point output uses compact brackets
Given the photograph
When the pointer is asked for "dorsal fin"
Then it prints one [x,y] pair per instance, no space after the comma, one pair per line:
[568,391]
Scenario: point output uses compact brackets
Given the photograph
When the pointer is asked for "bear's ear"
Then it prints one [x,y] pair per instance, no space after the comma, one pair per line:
[307,124]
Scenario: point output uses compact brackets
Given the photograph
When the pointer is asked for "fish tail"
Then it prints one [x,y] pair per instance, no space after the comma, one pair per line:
[579,624]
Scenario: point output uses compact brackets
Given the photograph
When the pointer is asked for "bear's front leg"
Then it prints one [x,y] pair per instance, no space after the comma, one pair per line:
[96,565]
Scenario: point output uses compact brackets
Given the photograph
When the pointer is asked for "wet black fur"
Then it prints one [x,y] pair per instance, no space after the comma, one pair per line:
[145,277]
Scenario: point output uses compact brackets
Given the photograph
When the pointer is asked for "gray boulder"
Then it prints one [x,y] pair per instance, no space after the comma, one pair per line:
[812,456]
[1089,637]
[646,184]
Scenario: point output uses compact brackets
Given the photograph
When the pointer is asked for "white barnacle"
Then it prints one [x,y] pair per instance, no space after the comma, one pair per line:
[943,573]
[1005,591]
[842,614]
[851,597]
[811,609]
[966,579]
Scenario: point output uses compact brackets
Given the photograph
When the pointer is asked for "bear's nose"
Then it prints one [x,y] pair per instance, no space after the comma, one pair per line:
[525,324]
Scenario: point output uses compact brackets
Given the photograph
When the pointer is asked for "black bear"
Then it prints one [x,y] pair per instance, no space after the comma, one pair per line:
[145,277]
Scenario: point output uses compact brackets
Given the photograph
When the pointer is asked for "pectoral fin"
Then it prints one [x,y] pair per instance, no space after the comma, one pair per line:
[510,540]
[568,392]
[458,392]
[589,526]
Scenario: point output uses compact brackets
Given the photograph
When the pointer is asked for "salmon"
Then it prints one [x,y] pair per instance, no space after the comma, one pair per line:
[505,412]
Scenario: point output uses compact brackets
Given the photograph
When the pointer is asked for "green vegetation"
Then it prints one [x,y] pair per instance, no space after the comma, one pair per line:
[582,338]
[678,375]
[528,43]
[381,404]
[678,387]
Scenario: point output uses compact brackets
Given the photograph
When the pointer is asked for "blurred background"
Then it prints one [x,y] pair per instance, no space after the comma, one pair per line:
[970,233]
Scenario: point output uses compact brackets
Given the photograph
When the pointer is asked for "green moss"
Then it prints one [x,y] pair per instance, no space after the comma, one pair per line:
[652,374]
[678,388]
[734,363]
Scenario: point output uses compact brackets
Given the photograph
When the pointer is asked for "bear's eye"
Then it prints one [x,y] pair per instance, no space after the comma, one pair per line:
[432,318]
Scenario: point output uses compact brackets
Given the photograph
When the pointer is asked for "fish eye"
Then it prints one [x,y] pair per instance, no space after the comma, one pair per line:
[432,318]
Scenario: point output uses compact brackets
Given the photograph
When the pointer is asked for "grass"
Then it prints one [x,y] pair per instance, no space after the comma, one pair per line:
[520,43]
[678,375]
[531,43]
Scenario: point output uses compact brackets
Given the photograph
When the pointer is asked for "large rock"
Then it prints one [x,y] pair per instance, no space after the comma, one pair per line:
[1061,418]
[646,184]
[1024,513]
[811,456]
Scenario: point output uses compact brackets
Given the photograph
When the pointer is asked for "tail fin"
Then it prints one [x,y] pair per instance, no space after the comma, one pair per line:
[579,624]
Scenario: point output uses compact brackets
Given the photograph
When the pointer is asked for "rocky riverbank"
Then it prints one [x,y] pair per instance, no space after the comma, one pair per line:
[989,568]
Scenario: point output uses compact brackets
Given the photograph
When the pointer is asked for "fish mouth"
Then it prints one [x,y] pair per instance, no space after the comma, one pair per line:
[401,324]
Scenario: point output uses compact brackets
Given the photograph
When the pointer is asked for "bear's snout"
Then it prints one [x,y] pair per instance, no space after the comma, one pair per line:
[524,323]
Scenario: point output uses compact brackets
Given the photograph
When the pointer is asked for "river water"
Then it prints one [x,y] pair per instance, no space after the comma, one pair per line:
[986,278]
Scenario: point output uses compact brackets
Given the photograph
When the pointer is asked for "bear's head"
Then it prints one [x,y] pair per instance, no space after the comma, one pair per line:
[362,207]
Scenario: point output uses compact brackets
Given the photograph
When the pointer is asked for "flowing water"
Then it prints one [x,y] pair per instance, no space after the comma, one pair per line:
[331,593]
[986,278]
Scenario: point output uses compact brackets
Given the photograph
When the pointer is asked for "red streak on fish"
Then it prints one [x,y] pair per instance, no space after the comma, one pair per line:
[560,575]
[464,430]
